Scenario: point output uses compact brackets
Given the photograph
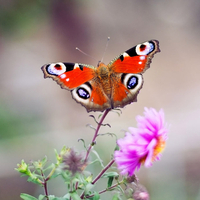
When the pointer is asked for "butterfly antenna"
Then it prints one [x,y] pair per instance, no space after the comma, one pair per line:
[85,53]
[108,39]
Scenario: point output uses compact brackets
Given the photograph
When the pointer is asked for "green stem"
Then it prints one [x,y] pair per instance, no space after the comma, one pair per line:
[51,173]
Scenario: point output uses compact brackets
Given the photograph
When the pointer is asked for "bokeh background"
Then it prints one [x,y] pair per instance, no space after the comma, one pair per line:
[36,116]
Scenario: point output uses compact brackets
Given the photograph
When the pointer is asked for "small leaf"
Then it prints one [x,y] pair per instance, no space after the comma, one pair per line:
[109,134]
[110,181]
[110,174]
[88,187]
[89,179]
[116,197]
[75,196]
[41,197]
[118,111]
[52,197]
[96,196]
[92,127]
[67,196]
[27,197]
[116,148]
[82,140]
[99,159]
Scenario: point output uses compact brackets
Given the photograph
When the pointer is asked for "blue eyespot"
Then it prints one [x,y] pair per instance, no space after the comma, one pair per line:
[132,82]
[83,93]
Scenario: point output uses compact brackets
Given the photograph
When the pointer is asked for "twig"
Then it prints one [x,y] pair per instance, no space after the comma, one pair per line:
[96,133]
[103,171]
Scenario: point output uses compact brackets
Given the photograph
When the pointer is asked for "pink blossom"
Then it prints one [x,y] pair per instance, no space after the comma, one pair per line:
[144,144]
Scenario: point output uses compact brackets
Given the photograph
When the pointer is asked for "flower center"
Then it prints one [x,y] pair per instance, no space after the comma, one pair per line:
[159,147]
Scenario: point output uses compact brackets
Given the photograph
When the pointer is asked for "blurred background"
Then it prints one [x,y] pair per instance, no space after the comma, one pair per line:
[36,116]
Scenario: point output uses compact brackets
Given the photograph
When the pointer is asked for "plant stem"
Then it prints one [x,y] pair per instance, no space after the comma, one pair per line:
[96,133]
[103,171]
[51,173]
[45,185]
[107,189]
[93,142]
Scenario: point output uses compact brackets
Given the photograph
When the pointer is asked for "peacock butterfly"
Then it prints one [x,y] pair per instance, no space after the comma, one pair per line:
[105,86]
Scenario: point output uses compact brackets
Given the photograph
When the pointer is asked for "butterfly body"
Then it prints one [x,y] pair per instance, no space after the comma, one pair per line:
[105,86]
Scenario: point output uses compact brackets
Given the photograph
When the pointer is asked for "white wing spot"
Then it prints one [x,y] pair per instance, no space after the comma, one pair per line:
[63,76]
[67,79]
[125,54]
[140,62]
[76,65]
[142,57]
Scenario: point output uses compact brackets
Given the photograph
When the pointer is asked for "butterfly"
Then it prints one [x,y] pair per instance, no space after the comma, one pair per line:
[105,86]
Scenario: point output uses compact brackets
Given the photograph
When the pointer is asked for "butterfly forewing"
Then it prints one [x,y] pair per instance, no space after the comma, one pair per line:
[135,60]
[69,75]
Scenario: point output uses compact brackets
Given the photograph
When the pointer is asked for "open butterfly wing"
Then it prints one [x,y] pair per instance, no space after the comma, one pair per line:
[128,69]
[137,59]
[81,80]
[69,75]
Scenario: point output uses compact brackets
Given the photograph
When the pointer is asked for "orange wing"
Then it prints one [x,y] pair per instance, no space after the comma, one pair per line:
[127,71]
[135,60]
[69,75]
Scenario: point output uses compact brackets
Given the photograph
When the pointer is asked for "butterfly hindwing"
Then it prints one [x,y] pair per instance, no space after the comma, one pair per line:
[91,95]
[125,91]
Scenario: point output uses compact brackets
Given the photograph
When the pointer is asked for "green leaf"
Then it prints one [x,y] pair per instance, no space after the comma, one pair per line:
[52,197]
[110,174]
[96,196]
[67,196]
[75,196]
[41,197]
[82,140]
[109,134]
[35,180]
[27,197]
[118,111]
[89,179]
[110,181]
[99,159]
[116,148]
[88,187]
[116,197]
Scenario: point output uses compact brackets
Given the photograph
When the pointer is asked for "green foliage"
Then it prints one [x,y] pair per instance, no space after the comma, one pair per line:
[20,16]
[40,172]
[71,167]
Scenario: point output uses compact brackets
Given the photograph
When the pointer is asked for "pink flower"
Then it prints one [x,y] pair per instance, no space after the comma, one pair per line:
[144,144]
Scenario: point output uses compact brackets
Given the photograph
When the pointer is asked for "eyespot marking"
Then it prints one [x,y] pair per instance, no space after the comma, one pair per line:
[132,82]
[145,48]
[83,93]
[56,69]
